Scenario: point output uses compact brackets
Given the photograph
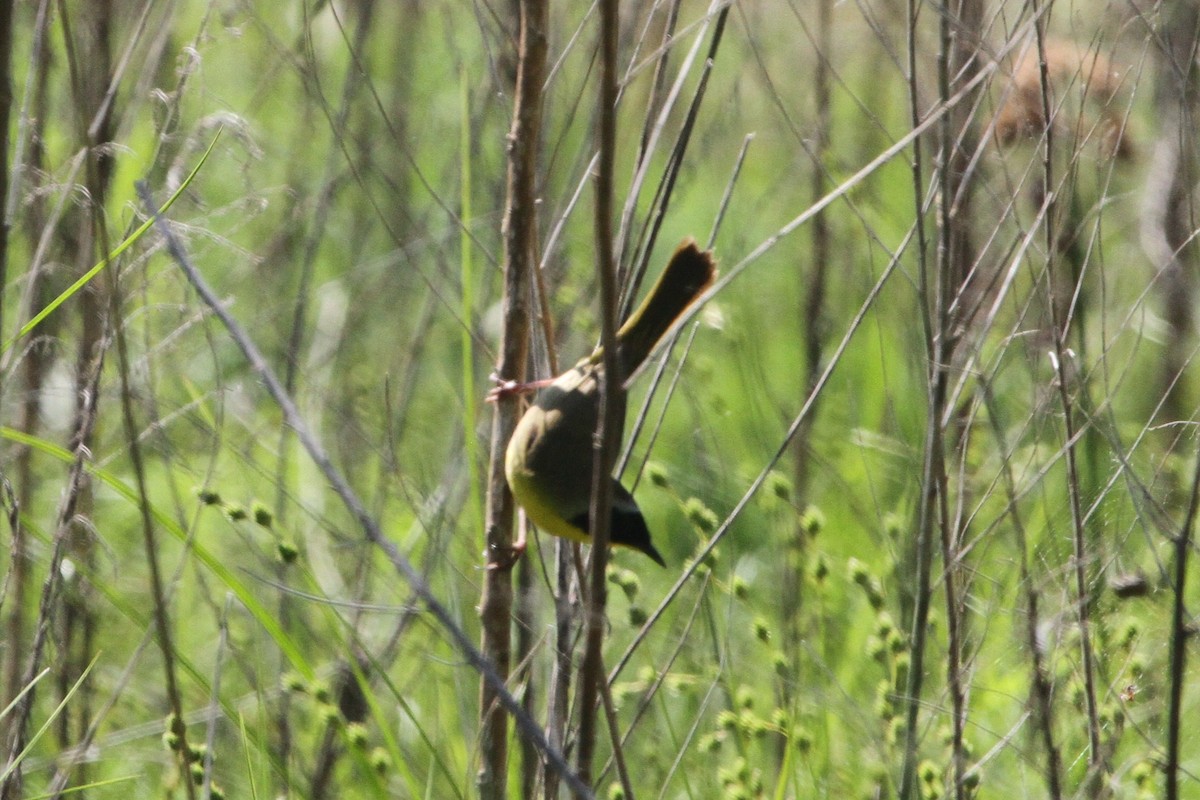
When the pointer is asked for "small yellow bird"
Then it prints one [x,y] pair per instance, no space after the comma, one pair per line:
[549,462]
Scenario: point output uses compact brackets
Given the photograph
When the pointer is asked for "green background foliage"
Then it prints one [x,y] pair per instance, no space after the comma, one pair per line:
[330,218]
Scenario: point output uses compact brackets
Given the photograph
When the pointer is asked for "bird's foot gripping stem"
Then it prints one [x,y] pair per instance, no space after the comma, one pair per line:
[500,558]
[503,389]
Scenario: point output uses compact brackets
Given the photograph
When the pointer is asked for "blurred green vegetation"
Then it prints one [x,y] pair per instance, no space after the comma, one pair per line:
[335,187]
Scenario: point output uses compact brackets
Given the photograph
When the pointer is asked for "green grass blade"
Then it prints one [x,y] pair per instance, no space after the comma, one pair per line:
[129,241]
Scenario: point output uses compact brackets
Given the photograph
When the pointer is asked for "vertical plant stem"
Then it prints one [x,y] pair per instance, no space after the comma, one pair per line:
[1168,213]
[88,48]
[314,235]
[1169,194]
[814,304]
[32,374]
[1179,638]
[158,590]
[526,602]
[520,260]
[929,295]
[565,600]
[665,189]
[1042,689]
[958,32]
[1066,385]
[6,102]
[559,695]
[12,788]
[323,207]
[610,717]
[813,323]
[612,397]
[467,271]
[1175,100]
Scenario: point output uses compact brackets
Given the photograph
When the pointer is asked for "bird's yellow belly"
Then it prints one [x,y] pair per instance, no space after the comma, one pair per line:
[538,508]
[532,494]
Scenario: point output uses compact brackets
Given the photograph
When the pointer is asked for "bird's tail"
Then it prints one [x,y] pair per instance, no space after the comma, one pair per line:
[690,271]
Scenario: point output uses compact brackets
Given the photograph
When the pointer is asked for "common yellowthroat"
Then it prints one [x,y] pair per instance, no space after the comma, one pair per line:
[549,462]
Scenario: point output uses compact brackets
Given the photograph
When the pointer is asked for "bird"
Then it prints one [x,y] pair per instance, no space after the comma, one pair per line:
[549,461]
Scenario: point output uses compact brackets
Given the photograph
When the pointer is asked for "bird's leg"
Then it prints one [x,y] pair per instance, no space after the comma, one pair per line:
[500,560]
[506,388]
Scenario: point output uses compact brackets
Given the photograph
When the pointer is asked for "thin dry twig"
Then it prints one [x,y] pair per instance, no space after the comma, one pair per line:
[1179,637]
[958,27]
[1171,227]
[930,295]
[1041,687]
[612,392]
[314,236]
[520,260]
[6,95]
[1065,385]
